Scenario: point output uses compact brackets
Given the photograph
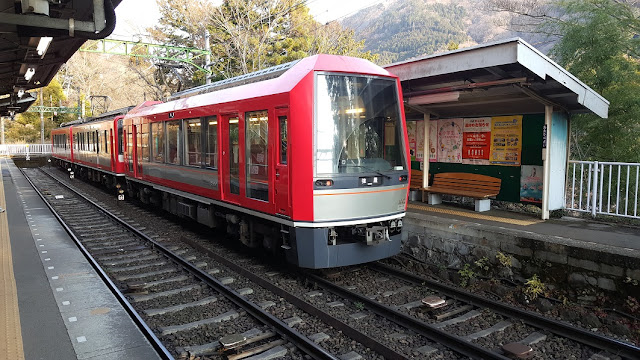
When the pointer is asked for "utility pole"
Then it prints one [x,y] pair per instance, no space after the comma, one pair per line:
[207,57]
[1,130]
[41,118]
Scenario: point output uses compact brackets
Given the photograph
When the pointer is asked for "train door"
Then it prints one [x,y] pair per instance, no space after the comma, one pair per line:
[282,195]
[134,147]
[230,136]
[112,150]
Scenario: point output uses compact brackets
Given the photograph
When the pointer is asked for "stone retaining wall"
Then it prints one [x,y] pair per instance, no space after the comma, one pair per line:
[452,243]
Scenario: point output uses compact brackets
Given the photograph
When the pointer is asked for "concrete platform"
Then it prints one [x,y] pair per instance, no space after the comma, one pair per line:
[65,310]
[600,254]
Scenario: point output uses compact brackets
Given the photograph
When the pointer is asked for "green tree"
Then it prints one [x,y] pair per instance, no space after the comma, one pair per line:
[600,45]
[25,128]
[598,42]
[249,35]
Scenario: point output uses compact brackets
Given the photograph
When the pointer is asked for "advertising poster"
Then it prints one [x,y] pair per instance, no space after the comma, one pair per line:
[450,140]
[531,184]
[433,141]
[506,140]
[411,133]
[476,142]
[419,140]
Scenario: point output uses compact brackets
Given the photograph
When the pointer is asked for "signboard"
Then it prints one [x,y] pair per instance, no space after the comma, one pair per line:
[411,133]
[476,142]
[420,140]
[531,184]
[433,141]
[450,140]
[506,140]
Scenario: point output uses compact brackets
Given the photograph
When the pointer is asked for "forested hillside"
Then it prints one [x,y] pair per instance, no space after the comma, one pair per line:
[402,29]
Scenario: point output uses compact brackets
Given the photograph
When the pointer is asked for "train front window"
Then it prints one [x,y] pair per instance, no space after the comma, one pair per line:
[358,124]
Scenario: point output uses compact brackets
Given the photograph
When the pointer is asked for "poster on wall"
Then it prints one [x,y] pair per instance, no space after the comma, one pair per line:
[531,184]
[420,140]
[476,141]
[411,133]
[450,140]
[433,141]
[506,140]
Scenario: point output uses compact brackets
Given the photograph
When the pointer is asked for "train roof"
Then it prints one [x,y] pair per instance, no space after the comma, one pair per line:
[110,114]
[276,80]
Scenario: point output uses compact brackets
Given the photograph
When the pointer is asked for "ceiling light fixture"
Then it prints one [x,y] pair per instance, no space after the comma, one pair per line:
[434,98]
[29,74]
[43,45]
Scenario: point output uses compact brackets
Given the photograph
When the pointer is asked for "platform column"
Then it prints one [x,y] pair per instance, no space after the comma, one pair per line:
[425,152]
[546,163]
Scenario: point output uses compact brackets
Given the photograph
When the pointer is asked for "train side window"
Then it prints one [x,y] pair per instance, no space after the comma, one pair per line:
[257,135]
[211,136]
[193,142]
[120,137]
[143,142]
[106,142]
[157,138]
[173,142]
[97,142]
[282,124]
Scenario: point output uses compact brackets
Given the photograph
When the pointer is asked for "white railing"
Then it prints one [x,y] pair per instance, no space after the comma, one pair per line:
[25,149]
[608,188]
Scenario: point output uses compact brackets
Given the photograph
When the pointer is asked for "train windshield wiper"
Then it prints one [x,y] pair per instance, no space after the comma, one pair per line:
[366,168]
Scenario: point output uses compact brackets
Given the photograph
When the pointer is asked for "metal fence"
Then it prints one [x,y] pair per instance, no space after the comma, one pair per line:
[608,188]
[25,149]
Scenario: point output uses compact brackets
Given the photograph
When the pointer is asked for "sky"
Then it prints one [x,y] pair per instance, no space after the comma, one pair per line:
[133,16]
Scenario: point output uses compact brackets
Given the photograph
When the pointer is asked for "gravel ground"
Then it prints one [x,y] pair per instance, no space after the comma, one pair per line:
[366,281]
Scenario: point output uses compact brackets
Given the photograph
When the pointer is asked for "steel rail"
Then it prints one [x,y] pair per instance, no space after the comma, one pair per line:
[298,339]
[450,341]
[303,305]
[142,325]
[602,342]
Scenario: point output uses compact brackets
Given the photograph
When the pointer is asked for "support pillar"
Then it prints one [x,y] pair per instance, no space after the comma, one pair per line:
[546,163]
[41,118]
[425,151]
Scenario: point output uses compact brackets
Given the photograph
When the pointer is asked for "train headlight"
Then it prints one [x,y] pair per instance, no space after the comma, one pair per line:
[399,223]
[324,182]
[392,224]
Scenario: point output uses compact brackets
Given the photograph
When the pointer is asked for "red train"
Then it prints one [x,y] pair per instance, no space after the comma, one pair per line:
[308,158]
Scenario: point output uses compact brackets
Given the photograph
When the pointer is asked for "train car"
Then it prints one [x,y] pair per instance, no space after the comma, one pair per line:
[308,158]
[92,147]
[61,149]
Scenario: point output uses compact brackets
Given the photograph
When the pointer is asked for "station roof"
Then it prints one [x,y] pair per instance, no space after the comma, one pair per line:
[69,23]
[501,78]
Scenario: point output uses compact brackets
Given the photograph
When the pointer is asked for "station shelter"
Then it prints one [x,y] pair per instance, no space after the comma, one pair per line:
[501,109]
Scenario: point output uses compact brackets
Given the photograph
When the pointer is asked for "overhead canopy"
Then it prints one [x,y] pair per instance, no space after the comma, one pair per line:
[501,78]
[24,23]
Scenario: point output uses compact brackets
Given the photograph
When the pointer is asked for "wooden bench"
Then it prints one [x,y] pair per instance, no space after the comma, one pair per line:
[479,187]
[416,182]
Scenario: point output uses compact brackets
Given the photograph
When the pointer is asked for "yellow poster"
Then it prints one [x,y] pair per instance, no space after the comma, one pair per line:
[506,140]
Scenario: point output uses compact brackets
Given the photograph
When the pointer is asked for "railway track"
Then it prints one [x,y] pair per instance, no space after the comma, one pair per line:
[381,311]
[166,293]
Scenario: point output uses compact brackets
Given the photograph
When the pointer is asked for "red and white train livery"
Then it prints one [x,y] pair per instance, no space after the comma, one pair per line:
[309,158]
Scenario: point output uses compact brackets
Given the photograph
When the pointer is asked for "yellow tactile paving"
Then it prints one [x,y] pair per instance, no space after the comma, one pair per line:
[474,215]
[10,332]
